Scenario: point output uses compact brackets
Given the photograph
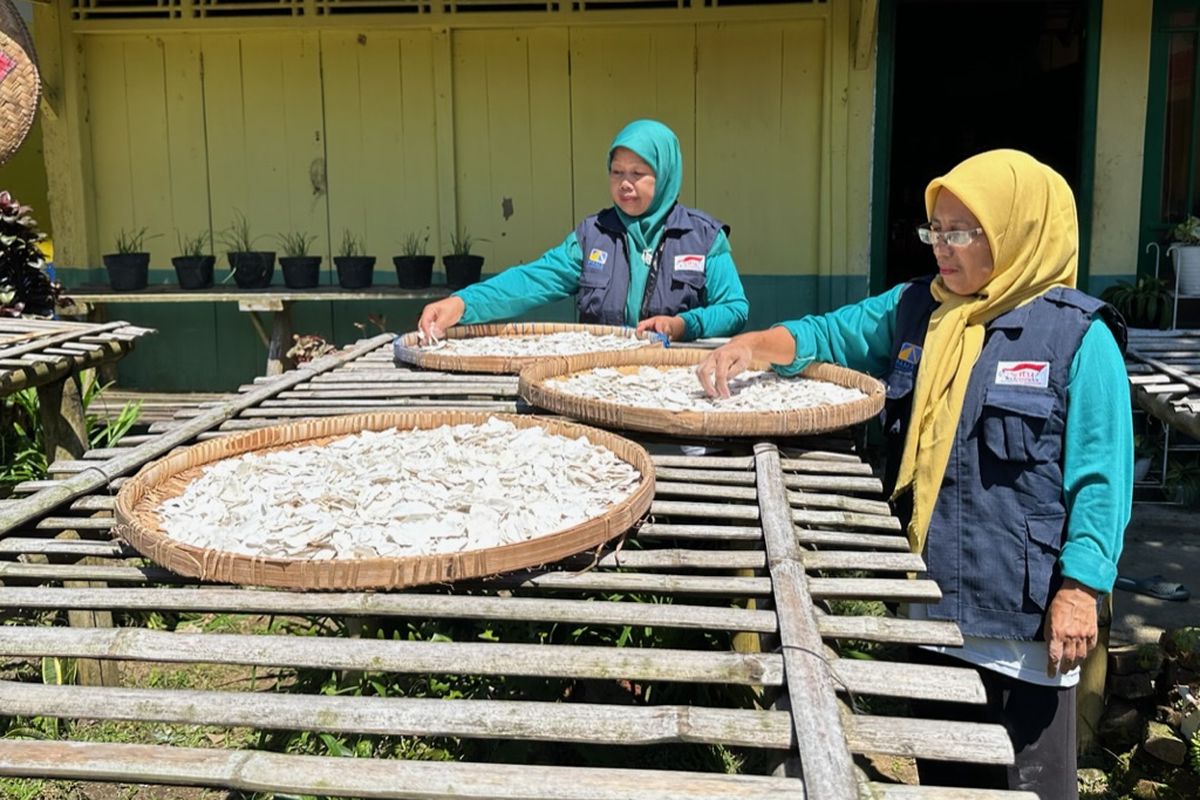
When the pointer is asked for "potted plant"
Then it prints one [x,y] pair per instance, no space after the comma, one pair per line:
[414,265]
[462,268]
[252,269]
[1185,249]
[354,269]
[1144,304]
[300,270]
[129,267]
[25,287]
[194,264]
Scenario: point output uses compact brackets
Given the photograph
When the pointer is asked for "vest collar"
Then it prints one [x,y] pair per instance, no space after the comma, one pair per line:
[678,221]
[1015,319]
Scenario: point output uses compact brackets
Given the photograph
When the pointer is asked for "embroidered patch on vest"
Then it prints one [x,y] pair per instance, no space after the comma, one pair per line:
[689,263]
[597,258]
[908,357]
[1023,373]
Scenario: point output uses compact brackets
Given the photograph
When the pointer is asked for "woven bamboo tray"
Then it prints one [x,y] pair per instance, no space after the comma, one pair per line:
[20,84]
[407,351]
[140,497]
[802,421]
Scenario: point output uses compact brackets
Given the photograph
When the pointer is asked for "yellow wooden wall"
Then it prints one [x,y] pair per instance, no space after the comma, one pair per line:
[498,131]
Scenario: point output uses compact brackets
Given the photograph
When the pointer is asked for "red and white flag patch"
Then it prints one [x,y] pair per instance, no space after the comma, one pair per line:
[689,263]
[1023,373]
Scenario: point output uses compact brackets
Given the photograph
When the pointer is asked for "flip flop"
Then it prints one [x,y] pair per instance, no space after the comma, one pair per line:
[1155,586]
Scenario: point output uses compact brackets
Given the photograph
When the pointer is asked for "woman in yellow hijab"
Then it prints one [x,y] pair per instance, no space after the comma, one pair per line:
[1010,442]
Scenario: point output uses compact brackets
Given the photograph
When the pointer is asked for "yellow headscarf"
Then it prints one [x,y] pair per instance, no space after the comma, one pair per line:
[1027,212]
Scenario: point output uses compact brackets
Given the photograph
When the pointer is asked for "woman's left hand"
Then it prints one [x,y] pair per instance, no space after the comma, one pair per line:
[673,327]
[1070,627]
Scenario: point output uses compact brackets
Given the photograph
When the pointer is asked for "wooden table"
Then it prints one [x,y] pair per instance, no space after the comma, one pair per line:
[1164,374]
[48,355]
[752,547]
[277,300]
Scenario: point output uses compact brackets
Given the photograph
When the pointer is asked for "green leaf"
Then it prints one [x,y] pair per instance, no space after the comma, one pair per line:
[58,671]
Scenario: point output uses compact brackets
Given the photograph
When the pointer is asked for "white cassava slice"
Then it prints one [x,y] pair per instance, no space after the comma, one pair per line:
[399,493]
[678,389]
[564,343]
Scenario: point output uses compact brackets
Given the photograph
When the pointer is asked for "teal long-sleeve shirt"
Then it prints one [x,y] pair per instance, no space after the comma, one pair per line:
[556,275]
[1097,441]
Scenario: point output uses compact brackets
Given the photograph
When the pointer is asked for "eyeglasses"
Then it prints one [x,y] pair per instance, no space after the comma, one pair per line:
[952,238]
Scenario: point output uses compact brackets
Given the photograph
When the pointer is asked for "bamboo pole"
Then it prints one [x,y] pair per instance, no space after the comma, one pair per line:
[824,754]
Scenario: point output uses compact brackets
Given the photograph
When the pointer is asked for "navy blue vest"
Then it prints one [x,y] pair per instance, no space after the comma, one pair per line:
[999,522]
[676,280]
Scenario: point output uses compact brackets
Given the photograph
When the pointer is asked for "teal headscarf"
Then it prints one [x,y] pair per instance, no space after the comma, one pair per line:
[659,147]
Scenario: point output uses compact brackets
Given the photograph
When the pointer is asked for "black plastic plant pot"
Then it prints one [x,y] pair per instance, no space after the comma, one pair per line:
[301,272]
[462,270]
[413,272]
[127,272]
[252,269]
[355,272]
[194,272]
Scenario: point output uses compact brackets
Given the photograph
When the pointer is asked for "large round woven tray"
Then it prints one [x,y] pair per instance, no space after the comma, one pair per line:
[407,351]
[19,81]
[801,421]
[140,497]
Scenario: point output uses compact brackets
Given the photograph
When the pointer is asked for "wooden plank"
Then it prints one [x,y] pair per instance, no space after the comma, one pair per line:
[594,581]
[560,661]
[847,519]
[71,547]
[254,771]
[588,723]
[914,681]
[826,467]
[722,476]
[87,572]
[704,462]
[841,559]
[875,589]
[888,629]
[834,483]
[824,755]
[662,530]
[821,500]
[672,508]
[704,490]
[846,539]
[930,738]
[431,606]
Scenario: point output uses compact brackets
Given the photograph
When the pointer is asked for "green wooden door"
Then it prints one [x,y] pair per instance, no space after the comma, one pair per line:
[1171,180]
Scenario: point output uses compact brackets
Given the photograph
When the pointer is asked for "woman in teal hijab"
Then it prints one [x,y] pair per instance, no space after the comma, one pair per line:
[647,261]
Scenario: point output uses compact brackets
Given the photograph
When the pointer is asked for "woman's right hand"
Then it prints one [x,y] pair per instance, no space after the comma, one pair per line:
[774,345]
[724,363]
[437,317]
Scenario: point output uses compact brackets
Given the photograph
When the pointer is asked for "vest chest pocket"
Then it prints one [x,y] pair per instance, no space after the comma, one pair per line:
[1015,423]
[593,283]
[687,289]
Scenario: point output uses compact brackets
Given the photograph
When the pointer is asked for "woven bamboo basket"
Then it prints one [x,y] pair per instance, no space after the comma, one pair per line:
[138,501]
[801,421]
[407,351]
[20,85]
